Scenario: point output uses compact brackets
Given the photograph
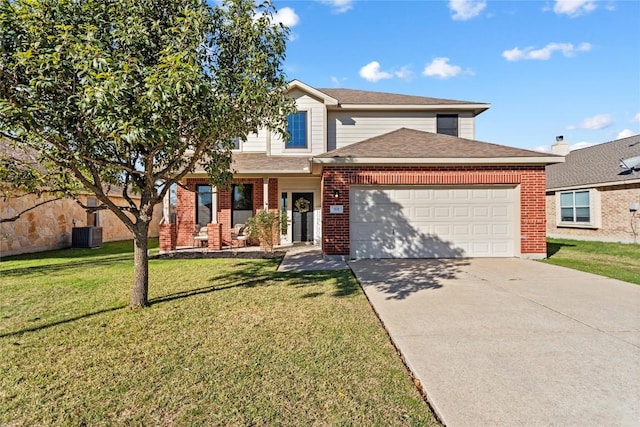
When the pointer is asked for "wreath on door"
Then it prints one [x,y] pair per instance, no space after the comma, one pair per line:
[303,205]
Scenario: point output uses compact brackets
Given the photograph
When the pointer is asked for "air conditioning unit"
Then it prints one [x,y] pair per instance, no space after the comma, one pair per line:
[86,237]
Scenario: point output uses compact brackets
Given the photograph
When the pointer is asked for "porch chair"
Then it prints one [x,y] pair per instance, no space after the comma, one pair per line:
[238,238]
[200,237]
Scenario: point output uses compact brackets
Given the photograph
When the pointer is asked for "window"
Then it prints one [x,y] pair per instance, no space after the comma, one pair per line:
[241,203]
[297,128]
[447,124]
[236,143]
[203,205]
[575,206]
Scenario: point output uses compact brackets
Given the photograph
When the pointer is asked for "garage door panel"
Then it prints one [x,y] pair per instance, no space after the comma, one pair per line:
[432,222]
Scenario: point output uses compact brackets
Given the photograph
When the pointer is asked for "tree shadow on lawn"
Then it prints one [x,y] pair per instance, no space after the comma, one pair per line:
[554,248]
[44,269]
[249,275]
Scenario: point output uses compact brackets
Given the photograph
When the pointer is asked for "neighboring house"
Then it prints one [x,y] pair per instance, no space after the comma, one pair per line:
[377,175]
[591,196]
[49,226]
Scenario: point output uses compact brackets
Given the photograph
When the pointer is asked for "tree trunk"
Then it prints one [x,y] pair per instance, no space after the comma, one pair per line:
[140,295]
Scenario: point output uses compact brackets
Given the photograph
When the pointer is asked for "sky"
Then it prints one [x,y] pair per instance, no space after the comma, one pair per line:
[548,68]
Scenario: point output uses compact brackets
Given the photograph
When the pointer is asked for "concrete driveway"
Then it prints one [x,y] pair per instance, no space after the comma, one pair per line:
[512,342]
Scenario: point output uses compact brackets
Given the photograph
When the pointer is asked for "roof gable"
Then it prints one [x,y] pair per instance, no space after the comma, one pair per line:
[297,84]
[598,164]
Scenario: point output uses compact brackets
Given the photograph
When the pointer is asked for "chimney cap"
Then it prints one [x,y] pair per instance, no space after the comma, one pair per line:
[559,138]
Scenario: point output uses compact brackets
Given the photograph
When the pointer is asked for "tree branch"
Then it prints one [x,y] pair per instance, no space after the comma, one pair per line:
[19,214]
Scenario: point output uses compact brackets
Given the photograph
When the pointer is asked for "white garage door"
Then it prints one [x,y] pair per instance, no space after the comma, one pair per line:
[432,222]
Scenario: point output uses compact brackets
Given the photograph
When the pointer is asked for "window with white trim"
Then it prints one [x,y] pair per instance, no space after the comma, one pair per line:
[297,128]
[575,206]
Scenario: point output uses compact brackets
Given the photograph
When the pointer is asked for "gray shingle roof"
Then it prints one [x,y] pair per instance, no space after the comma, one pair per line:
[597,164]
[354,96]
[409,143]
[256,162]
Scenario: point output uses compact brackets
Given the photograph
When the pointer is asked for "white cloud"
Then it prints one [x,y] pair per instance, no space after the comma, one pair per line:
[337,81]
[579,145]
[567,49]
[372,73]
[576,146]
[574,8]
[636,118]
[404,73]
[287,17]
[597,122]
[466,9]
[339,6]
[625,133]
[441,68]
[543,149]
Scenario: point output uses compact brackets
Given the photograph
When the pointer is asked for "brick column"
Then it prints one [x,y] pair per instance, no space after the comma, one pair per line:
[214,232]
[168,237]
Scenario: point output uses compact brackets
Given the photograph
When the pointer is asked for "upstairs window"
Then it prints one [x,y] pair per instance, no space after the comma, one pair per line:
[447,124]
[575,206]
[297,128]
[236,143]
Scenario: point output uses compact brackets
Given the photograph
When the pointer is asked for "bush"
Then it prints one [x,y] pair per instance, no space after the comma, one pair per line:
[264,226]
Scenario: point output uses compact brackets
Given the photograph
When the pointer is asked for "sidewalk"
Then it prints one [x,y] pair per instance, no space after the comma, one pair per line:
[309,258]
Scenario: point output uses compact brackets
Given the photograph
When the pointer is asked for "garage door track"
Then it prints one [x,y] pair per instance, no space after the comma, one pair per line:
[512,342]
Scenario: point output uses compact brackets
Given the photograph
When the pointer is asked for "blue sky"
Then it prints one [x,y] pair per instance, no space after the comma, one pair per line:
[548,68]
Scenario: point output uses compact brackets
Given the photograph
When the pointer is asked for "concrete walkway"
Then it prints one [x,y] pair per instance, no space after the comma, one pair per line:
[309,258]
[509,342]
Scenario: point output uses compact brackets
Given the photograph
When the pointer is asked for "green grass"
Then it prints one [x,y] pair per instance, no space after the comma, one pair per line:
[616,260]
[225,342]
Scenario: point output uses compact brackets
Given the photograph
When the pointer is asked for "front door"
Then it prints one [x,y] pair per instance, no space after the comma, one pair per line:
[302,217]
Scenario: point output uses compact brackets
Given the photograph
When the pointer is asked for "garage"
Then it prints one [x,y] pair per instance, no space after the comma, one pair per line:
[433,221]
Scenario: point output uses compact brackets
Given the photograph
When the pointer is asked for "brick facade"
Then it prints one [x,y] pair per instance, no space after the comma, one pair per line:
[335,239]
[617,223]
[220,234]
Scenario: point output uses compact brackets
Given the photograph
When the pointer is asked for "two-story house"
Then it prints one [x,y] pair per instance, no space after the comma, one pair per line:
[377,175]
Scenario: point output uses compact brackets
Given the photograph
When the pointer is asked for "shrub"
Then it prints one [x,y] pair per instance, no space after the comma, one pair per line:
[264,226]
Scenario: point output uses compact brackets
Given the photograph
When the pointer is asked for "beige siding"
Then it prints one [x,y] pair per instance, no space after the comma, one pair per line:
[255,143]
[466,126]
[316,119]
[347,127]
[616,221]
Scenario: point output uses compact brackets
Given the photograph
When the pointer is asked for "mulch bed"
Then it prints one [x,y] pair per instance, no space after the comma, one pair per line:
[213,254]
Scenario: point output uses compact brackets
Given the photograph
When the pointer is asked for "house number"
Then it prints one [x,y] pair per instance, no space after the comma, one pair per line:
[336,209]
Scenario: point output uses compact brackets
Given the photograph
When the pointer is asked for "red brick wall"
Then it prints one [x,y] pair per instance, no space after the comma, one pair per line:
[186,206]
[168,236]
[335,239]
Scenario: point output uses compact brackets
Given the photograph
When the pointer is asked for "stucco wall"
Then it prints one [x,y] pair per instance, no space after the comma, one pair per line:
[49,226]
[616,219]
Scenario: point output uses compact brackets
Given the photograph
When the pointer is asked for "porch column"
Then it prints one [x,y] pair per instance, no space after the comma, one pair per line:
[166,219]
[265,194]
[214,205]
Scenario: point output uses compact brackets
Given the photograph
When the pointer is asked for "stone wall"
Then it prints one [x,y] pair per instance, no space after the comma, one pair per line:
[49,226]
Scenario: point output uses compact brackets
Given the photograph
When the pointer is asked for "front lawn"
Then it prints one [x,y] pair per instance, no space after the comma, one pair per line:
[225,342]
[615,260]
